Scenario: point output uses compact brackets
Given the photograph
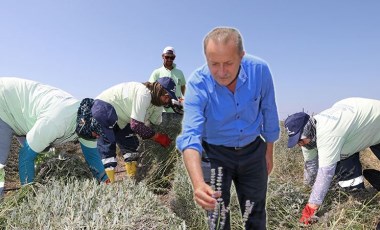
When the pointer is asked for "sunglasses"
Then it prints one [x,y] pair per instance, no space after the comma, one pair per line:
[169,57]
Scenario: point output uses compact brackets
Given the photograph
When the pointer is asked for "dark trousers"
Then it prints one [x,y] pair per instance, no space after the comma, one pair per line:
[246,167]
[127,142]
[351,168]
[376,150]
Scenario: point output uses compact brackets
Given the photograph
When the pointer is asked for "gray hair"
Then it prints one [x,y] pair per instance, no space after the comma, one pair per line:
[224,35]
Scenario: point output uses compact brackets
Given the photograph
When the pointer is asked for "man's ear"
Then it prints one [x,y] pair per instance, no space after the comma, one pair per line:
[242,54]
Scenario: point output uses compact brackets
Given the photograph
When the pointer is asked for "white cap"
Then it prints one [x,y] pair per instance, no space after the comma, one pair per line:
[168,50]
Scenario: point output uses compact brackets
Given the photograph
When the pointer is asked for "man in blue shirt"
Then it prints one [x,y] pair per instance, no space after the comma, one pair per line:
[231,121]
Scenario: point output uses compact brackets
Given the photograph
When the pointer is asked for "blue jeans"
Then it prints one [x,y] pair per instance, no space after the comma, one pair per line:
[246,167]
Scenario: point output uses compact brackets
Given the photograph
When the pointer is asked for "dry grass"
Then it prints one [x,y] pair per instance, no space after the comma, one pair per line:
[162,198]
[74,204]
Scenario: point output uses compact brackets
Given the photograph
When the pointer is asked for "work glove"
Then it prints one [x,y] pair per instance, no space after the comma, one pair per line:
[163,139]
[177,106]
[308,215]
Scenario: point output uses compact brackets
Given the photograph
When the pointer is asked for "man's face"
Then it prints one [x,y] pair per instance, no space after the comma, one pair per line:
[307,143]
[168,59]
[165,99]
[303,142]
[223,61]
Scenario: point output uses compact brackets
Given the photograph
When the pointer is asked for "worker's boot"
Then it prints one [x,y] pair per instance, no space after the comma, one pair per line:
[131,168]
[111,174]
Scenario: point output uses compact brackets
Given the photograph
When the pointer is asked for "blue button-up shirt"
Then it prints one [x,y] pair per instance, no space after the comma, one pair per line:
[216,115]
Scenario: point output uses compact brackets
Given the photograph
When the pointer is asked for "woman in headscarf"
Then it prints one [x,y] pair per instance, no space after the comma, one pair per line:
[137,105]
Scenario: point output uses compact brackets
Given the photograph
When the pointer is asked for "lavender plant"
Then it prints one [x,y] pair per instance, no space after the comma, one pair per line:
[217,218]
[248,210]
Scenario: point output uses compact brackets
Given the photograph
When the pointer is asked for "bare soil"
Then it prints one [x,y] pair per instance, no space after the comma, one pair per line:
[11,169]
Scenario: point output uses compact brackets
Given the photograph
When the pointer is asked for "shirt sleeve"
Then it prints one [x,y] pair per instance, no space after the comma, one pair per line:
[194,118]
[43,133]
[141,129]
[140,105]
[310,171]
[322,184]
[271,126]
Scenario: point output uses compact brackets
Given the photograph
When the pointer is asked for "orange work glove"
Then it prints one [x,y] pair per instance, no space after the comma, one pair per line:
[163,139]
[307,214]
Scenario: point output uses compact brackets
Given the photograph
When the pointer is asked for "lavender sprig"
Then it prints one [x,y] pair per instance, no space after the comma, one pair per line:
[217,218]
[248,209]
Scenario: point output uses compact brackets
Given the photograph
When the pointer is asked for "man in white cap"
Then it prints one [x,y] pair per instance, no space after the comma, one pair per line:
[169,69]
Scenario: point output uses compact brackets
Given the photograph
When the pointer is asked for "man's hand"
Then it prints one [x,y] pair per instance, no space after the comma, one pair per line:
[308,213]
[163,139]
[205,197]
[269,157]
[177,106]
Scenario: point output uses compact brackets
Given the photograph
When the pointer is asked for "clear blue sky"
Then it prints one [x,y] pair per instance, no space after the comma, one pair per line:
[318,51]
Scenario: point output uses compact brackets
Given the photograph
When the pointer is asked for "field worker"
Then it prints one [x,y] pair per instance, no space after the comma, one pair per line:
[169,69]
[137,106]
[41,116]
[231,117]
[331,142]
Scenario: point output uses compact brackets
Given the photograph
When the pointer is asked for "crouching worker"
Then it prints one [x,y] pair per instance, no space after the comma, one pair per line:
[41,116]
[331,142]
[137,105]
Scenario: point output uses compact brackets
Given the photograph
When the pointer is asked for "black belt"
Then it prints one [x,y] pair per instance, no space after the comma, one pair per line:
[240,148]
[235,148]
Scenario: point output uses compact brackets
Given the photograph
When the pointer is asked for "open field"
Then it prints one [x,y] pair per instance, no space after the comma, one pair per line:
[161,196]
